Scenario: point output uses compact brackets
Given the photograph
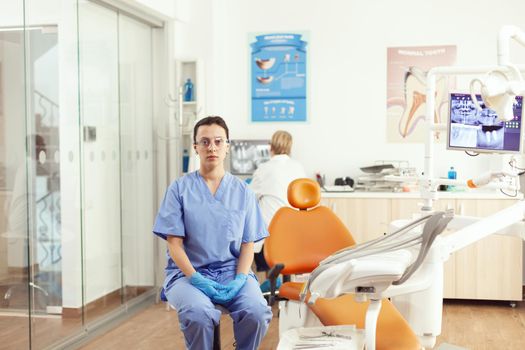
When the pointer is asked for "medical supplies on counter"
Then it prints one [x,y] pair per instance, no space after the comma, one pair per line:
[374,179]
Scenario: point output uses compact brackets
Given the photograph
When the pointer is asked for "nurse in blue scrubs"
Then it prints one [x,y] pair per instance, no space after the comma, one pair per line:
[211,220]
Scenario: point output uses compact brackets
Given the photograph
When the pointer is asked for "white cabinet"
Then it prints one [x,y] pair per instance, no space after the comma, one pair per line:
[365,218]
[489,269]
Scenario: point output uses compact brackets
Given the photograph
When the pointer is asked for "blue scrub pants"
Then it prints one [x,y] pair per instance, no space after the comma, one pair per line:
[198,316]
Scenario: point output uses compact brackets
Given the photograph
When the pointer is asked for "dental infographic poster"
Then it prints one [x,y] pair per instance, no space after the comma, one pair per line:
[278,78]
[407,69]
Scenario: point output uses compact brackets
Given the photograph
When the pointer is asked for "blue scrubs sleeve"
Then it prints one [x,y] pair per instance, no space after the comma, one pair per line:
[254,226]
[170,220]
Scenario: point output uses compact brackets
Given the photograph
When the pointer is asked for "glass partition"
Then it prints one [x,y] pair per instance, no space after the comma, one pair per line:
[76,168]
[99,106]
[116,112]
[136,123]
[14,194]
[52,121]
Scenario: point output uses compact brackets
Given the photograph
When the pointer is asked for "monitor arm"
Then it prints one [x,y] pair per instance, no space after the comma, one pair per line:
[505,35]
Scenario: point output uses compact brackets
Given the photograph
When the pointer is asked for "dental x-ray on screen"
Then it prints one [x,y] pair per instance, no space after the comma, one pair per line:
[481,131]
[246,155]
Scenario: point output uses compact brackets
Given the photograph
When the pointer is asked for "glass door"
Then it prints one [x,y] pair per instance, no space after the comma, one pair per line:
[136,126]
[14,169]
[35,241]
[99,108]
[76,168]
[52,128]
[118,188]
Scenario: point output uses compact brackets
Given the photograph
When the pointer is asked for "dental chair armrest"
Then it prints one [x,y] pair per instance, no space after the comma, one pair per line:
[272,276]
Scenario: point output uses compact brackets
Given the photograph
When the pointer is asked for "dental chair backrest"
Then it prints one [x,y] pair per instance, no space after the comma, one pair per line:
[302,236]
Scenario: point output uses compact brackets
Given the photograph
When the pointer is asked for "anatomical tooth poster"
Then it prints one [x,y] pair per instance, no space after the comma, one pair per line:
[407,69]
[278,77]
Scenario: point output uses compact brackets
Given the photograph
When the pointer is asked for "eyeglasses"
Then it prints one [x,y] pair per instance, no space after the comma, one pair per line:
[219,142]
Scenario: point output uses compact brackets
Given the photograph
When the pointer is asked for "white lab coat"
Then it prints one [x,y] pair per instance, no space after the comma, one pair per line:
[270,184]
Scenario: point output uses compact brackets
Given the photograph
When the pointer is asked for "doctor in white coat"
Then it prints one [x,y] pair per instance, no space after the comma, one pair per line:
[271,179]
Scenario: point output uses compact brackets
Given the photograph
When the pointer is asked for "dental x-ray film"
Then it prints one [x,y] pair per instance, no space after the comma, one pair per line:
[247,155]
[480,131]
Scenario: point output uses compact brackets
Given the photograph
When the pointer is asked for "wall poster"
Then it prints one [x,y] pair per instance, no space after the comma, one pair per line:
[278,78]
[407,69]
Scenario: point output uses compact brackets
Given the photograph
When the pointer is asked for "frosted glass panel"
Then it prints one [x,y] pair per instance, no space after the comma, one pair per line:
[76,168]
[136,116]
[99,106]
[14,234]
[31,193]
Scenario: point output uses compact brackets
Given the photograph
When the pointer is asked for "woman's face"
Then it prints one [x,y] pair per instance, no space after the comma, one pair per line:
[211,145]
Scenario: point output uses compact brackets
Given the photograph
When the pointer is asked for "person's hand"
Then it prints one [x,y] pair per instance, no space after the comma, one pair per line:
[206,285]
[222,297]
[232,289]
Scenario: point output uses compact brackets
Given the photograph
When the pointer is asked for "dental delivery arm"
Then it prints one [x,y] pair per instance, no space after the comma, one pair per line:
[472,230]
[484,227]
[488,177]
[401,240]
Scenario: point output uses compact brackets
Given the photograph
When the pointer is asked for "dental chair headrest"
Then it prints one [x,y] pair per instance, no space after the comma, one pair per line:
[304,193]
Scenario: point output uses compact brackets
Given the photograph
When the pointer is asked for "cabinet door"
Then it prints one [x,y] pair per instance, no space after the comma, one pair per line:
[405,208]
[365,218]
[490,268]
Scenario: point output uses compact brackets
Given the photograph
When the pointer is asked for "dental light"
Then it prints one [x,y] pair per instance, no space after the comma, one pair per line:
[498,91]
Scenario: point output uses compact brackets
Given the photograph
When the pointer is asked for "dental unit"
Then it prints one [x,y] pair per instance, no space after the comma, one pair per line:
[406,265]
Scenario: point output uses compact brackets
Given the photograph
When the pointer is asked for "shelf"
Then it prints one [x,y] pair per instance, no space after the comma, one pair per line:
[189,103]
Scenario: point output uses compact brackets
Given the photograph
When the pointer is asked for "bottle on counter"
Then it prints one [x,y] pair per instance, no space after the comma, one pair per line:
[452,175]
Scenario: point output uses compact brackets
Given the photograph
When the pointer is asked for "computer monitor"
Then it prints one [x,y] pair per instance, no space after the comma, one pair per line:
[247,155]
[480,131]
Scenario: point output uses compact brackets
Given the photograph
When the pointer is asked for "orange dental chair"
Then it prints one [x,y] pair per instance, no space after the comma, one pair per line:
[299,239]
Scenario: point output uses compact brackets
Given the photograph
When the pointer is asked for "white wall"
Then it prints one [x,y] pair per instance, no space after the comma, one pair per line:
[347,48]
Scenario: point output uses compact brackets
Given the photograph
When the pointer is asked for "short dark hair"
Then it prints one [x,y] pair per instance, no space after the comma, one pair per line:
[214,119]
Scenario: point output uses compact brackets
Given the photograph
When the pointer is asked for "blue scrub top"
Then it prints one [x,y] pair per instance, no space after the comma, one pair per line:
[213,227]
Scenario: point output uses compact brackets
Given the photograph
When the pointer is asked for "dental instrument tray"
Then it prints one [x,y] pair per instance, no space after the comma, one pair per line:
[336,188]
[328,337]
[374,169]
